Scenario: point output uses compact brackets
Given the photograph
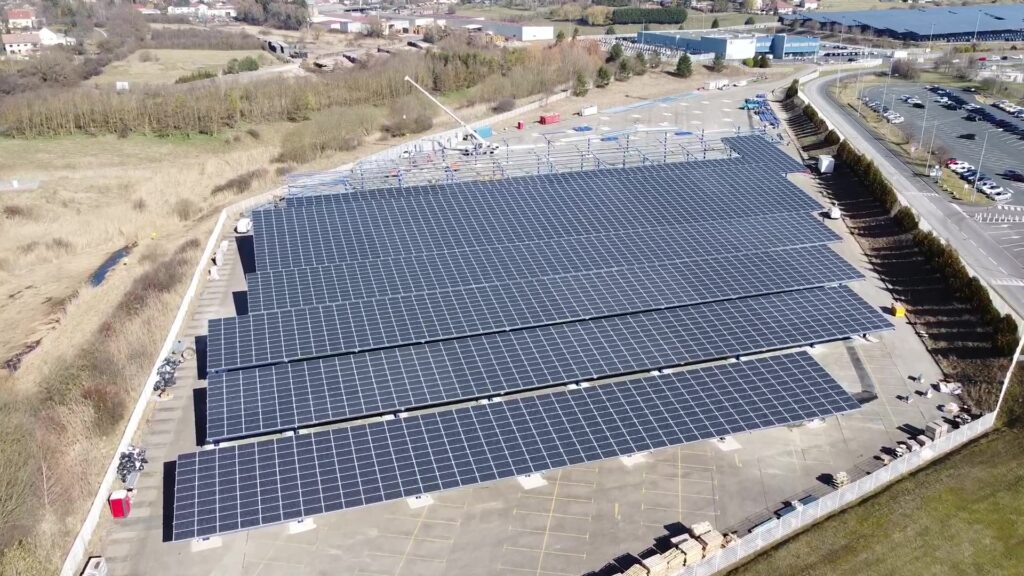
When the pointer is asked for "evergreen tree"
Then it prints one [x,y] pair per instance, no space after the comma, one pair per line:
[684,68]
[581,86]
[604,77]
[623,71]
[640,64]
[615,54]
[560,37]
[718,64]
[714,23]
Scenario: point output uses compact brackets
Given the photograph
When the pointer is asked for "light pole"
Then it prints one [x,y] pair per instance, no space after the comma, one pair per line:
[885,89]
[974,191]
[976,24]
[923,124]
[930,34]
[859,101]
[928,163]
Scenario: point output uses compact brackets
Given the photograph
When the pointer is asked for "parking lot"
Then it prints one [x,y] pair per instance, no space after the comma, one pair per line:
[951,129]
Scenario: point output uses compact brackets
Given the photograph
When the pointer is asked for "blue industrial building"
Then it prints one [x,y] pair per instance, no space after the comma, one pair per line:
[991,22]
[732,46]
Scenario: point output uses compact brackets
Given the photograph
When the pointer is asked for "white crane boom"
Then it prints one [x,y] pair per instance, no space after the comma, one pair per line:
[476,136]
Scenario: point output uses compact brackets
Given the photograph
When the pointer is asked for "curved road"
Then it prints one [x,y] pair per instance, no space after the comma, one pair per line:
[982,254]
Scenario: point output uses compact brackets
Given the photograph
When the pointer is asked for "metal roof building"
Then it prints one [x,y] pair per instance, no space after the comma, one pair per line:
[990,22]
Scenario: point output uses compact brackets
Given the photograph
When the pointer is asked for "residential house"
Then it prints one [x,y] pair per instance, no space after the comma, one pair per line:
[780,7]
[20,43]
[48,37]
[203,11]
[21,19]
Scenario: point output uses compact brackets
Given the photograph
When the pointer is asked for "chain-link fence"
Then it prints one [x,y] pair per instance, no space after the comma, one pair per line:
[773,532]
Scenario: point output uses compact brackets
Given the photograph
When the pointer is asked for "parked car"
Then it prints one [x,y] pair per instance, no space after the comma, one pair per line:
[968,136]
[971,118]
[1014,175]
[1000,196]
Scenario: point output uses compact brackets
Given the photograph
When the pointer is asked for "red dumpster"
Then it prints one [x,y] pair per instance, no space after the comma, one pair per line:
[551,118]
[120,503]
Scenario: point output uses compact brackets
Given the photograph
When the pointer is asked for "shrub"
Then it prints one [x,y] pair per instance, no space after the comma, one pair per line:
[247,64]
[409,115]
[504,105]
[905,219]
[241,183]
[580,86]
[335,130]
[749,62]
[603,77]
[832,138]
[793,90]
[623,71]
[196,76]
[718,64]
[640,64]
[185,209]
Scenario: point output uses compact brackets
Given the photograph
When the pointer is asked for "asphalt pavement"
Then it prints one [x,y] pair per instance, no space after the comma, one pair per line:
[951,129]
[982,253]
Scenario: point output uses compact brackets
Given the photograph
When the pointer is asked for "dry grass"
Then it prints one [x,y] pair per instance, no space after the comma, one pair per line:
[165,66]
[62,409]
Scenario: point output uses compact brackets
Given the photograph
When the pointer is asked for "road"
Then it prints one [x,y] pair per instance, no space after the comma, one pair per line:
[983,254]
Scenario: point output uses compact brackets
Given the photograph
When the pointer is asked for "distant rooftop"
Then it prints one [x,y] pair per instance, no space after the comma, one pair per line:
[920,21]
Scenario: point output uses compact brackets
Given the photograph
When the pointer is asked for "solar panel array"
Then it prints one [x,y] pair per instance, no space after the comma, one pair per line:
[410,274]
[297,333]
[240,487]
[290,396]
[393,300]
[359,226]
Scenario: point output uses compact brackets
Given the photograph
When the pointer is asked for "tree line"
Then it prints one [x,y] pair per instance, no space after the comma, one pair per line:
[649,16]
[489,74]
[943,257]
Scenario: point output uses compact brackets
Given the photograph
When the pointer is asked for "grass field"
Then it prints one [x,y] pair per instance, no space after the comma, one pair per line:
[167,66]
[961,515]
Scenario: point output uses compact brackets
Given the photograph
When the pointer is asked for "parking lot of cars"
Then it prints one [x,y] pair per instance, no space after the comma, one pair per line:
[985,142]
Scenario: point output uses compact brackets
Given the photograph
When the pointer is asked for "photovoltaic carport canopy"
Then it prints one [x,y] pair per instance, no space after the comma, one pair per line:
[410,274]
[286,335]
[391,223]
[267,482]
[258,401]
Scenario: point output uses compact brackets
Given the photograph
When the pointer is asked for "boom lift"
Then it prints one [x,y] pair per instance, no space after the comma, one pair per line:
[475,144]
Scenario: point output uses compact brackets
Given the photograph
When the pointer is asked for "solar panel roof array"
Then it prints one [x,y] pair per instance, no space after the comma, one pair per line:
[239,487]
[410,274]
[284,335]
[390,300]
[516,210]
[288,396]
[945,20]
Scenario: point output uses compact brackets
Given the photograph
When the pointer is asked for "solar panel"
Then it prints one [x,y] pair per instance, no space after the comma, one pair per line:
[249,485]
[463,215]
[758,150]
[288,396]
[280,289]
[284,335]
